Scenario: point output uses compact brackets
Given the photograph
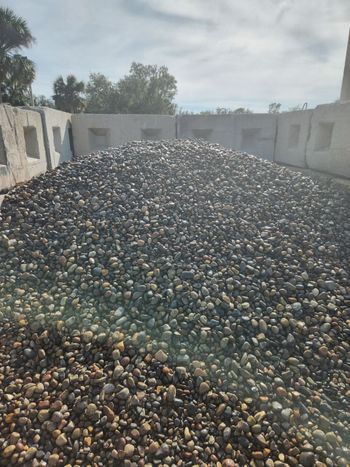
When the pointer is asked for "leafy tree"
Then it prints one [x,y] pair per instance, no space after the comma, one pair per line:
[16,89]
[295,108]
[101,95]
[43,101]
[16,72]
[182,111]
[148,89]
[298,107]
[242,110]
[227,111]
[218,111]
[274,108]
[68,96]
[207,112]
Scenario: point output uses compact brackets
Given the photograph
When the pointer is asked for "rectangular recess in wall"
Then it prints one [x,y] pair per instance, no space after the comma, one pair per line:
[324,136]
[202,133]
[99,138]
[57,140]
[293,136]
[151,133]
[3,156]
[31,141]
[250,140]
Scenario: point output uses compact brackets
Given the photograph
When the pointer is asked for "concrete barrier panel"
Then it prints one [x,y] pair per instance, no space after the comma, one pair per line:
[35,140]
[257,134]
[92,132]
[213,128]
[58,134]
[13,163]
[31,140]
[293,131]
[328,149]
[252,133]
[22,151]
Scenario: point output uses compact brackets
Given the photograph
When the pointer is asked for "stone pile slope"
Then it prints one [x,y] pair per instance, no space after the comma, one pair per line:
[174,303]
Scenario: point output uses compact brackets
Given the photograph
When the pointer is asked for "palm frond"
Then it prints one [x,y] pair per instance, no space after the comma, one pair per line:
[14,32]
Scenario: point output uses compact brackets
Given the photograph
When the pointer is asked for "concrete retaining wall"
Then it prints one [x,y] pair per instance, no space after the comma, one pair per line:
[58,135]
[34,140]
[97,131]
[293,131]
[328,149]
[22,150]
[213,128]
[251,133]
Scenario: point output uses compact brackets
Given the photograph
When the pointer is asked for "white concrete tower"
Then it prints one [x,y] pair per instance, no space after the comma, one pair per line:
[345,89]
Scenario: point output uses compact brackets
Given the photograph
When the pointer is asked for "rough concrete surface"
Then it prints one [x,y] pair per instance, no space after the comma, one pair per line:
[57,127]
[251,133]
[22,151]
[98,131]
[328,149]
[293,131]
[35,140]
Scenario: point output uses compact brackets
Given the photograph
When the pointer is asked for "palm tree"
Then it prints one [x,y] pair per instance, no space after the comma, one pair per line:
[68,95]
[17,84]
[14,34]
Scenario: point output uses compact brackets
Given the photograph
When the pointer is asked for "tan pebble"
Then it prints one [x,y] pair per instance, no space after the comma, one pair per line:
[145,428]
[259,416]
[61,440]
[228,463]
[187,434]
[153,447]
[161,356]
[14,438]
[109,413]
[129,450]
[88,441]
[120,346]
[280,391]
[204,388]
[30,453]
[8,451]
[171,394]
[53,460]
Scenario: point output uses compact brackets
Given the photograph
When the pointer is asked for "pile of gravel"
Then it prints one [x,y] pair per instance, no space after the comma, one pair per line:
[198,291]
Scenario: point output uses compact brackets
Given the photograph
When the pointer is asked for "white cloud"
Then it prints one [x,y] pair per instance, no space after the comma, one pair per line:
[224,53]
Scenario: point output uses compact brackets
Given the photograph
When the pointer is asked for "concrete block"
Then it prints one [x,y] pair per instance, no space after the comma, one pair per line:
[22,151]
[345,89]
[31,140]
[252,133]
[58,135]
[92,132]
[328,149]
[213,128]
[293,130]
[256,134]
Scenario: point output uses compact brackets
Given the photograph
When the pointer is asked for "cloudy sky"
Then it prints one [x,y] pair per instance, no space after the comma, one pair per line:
[227,53]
